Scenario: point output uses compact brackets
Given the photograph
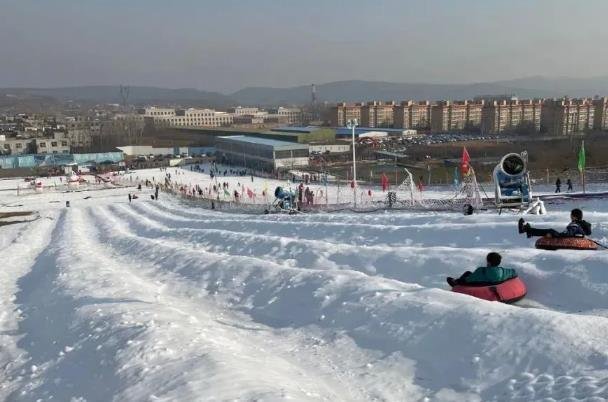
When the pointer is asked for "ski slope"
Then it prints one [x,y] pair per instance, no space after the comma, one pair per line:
[161,300]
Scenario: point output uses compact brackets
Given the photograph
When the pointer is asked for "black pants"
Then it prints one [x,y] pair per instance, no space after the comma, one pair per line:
[542,232]
[458,281]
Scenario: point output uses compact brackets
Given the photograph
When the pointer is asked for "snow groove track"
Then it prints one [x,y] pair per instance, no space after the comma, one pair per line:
[149,300]
[269,278]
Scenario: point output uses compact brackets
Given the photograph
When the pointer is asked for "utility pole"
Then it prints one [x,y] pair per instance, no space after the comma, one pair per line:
[352,124]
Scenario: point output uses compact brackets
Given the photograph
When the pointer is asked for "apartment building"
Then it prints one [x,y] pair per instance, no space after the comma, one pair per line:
[59,143]
[413,115]
[17,145]
[242,111]
[189,117]
[567,116]
[80,132]
[474,114]
[293,115]
[343,112]
[600,117]
[377,114]
[511,115]
[448,116]
[159,112]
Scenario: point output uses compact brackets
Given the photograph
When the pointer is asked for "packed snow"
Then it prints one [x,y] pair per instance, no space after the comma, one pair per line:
[165,300]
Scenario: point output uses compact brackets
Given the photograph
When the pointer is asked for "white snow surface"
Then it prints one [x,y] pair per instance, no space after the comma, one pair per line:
[162,300]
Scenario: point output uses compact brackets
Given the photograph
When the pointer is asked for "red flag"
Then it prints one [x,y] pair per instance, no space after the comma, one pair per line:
[384,181]
[464,163]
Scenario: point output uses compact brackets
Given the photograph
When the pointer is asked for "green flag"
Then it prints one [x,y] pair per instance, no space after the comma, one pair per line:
[581,158]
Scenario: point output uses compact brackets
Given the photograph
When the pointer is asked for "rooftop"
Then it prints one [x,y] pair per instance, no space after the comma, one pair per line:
[360,130]
[265,141]
[290,129]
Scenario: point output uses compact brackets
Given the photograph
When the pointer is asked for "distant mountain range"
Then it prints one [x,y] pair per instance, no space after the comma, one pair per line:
[350,91]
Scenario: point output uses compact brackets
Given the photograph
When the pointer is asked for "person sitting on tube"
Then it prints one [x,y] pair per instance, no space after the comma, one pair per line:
[491,274]
[578,227]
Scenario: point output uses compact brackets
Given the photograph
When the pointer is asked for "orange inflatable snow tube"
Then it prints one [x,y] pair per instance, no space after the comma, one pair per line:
[508,291]
[565,243]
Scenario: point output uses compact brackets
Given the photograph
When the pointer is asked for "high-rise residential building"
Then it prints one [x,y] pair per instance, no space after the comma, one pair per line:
[343,112]
[377,114]
[456,116]
[511,115]
[600,114]
[413,115]
[474,114]
[567,116]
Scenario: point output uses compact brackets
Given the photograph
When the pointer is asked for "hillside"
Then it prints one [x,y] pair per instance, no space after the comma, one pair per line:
[350,91]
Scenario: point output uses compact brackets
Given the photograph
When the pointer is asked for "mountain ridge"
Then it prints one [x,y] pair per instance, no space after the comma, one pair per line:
[331,92]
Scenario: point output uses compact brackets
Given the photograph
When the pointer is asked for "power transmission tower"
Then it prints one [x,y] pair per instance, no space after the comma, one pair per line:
[124,95]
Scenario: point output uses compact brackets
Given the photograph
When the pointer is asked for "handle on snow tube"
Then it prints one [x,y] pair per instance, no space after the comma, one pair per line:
[599,244]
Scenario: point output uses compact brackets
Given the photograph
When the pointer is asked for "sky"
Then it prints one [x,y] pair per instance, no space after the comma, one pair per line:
[226,45]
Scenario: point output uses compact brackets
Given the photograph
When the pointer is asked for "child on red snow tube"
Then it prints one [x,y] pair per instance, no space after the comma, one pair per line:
[491,274]
[576,228]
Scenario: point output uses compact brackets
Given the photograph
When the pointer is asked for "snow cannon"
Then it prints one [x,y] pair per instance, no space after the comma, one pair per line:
[284,198]
[512,182]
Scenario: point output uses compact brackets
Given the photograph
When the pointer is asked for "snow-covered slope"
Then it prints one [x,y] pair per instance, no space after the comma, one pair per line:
[108,300]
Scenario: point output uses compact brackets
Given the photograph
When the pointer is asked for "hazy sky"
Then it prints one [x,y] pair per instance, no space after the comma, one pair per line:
[225,45]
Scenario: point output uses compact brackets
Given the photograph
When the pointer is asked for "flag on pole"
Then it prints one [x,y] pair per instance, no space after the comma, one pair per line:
[581,158]
[464,163]
[384,182]
[581,163]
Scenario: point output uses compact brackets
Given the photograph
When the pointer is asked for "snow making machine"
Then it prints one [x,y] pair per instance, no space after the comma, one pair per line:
[284,202]
[512,185]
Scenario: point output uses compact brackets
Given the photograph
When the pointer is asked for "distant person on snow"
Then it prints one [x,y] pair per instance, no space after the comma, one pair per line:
[558,185]
[129,198]
[576,228]
[491,274]
[421,184]
[569,183]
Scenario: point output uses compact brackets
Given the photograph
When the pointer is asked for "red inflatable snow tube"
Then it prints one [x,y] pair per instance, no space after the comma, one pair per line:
[565,243]
[508,291]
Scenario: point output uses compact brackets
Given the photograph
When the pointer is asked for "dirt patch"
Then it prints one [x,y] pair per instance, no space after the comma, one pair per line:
[6,215]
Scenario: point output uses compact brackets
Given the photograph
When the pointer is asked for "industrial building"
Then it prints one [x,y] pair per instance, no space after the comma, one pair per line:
[260,153]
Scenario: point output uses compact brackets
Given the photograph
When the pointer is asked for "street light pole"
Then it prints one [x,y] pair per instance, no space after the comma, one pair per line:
[352,124]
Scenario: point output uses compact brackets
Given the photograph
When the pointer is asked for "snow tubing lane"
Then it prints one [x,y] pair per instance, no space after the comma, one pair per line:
[565,243]
[508,291]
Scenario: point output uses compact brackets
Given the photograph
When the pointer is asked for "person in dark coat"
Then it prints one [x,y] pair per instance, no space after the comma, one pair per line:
[569,183]
[129,198]
[558,185]
[576,228]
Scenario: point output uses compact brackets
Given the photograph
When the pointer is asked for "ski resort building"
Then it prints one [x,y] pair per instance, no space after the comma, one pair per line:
[260,153]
